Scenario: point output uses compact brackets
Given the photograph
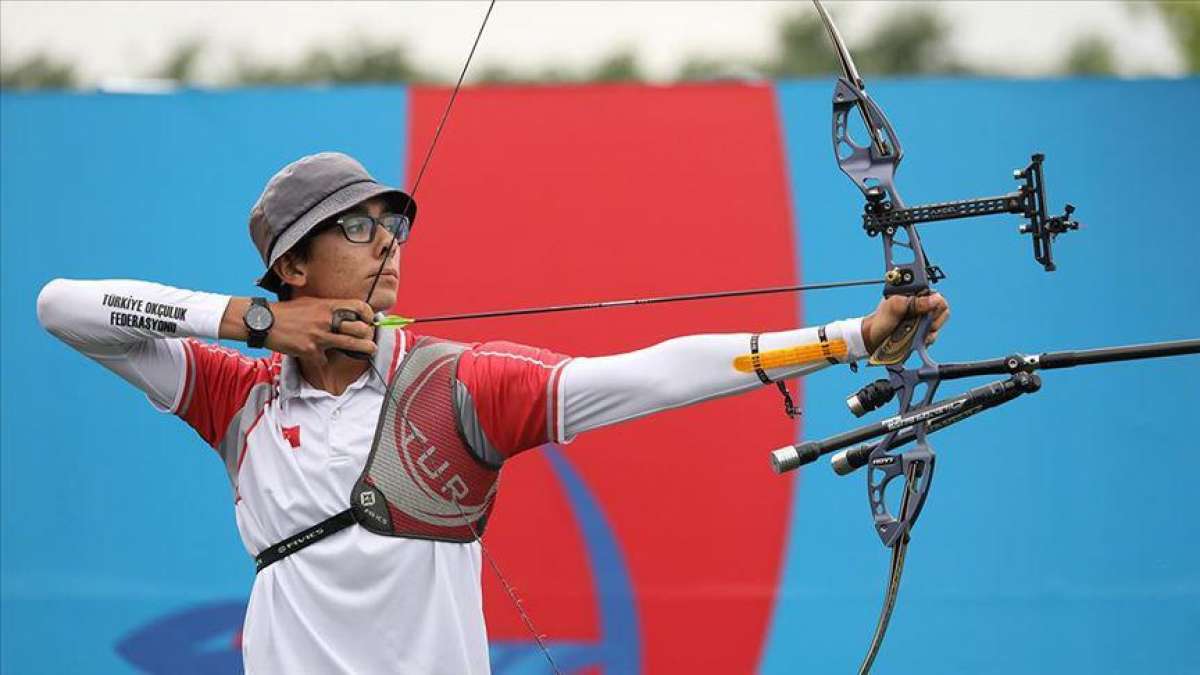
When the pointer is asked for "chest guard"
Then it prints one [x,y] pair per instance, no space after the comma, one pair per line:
[421,479]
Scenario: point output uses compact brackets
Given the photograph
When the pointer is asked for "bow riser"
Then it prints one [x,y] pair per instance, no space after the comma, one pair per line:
[872,168]
[884,467]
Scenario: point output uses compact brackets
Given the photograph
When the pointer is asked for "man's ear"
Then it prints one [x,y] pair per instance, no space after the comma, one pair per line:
[291,270]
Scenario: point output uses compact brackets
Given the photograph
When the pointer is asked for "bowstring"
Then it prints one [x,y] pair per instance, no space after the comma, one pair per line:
[412,198]
[510,590]
[897,569]
[437,134]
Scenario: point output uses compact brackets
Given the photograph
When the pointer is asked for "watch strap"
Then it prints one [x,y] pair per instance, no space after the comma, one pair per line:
[257,338]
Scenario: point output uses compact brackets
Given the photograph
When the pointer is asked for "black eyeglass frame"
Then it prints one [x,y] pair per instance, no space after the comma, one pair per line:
[401,230]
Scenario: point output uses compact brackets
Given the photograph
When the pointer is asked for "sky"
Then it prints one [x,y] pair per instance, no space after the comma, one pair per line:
[112,40]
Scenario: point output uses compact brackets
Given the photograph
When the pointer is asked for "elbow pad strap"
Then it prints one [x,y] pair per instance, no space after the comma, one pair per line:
[789,407]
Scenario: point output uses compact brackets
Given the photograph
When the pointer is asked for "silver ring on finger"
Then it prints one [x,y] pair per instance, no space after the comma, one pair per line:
[340,315]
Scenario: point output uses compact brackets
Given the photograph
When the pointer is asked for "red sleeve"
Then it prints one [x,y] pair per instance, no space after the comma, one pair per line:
[218,383]
[516,394]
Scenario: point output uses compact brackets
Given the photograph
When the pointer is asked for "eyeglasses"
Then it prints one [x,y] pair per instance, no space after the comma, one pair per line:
[359,228]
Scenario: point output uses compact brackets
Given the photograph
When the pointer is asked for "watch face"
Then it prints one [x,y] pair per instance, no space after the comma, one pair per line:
[259,318]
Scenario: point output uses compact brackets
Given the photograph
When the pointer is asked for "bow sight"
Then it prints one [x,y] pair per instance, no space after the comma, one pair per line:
[882,216]
[872,167]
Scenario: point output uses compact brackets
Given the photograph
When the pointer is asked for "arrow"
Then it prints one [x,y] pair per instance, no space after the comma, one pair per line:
[397,321]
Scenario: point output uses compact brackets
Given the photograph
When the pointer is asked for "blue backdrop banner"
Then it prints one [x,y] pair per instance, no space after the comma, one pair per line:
[1058,537]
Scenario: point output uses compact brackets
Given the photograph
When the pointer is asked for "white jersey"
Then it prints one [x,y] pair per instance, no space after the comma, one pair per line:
[357,602]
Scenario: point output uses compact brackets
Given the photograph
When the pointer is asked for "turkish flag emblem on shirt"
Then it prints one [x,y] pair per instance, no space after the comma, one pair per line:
[292,434]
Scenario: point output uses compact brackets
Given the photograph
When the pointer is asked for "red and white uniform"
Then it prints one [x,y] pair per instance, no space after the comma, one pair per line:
[357,602]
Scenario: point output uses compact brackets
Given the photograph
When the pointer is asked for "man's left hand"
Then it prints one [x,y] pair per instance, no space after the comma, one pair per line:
[891,311]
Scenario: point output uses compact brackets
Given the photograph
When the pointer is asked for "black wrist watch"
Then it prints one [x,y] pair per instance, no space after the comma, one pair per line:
[258,319]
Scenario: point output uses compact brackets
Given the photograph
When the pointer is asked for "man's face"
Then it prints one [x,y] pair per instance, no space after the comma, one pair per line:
[339,268]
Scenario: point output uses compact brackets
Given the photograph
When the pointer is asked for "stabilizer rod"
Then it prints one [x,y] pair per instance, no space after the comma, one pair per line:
[989,395]
[879,392]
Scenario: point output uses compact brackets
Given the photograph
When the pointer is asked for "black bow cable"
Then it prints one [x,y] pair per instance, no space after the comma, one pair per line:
[387,253]
[383,262]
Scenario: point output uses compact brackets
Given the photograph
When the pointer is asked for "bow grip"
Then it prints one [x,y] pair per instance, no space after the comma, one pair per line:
[896,348]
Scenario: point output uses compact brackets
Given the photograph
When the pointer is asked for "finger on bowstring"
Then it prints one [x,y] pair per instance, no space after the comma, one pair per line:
[358,329]
[931,337]
[350,344]
[364,310]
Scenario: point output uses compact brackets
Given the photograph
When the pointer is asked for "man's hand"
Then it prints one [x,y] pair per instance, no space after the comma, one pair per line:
[304,327]
[891,311]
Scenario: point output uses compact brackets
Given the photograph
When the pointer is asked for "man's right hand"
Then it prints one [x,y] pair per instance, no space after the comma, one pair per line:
[303,327]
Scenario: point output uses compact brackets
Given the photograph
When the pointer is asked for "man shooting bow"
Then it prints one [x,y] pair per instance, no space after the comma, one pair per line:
[295,428]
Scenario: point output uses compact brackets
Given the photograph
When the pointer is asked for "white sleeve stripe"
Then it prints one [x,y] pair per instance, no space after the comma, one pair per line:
[554,404]
[187,379]
[520,357]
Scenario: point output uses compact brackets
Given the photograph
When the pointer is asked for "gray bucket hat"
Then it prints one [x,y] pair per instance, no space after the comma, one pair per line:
[305,193]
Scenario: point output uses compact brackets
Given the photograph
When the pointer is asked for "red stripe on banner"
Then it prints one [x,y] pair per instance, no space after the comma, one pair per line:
[554,195]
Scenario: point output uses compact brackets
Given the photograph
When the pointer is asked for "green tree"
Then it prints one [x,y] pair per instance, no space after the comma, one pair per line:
[1183,20]
[495,73]
[619,66]
[377,63]
[180,64]
[702,68]
[364,61]
[1092,55]
[38,71]
[910,41]
[803,48]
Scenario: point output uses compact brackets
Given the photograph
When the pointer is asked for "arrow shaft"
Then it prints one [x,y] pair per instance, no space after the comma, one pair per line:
[550,309]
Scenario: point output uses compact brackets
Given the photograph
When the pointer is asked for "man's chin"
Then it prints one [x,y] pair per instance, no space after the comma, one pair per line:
[383,300]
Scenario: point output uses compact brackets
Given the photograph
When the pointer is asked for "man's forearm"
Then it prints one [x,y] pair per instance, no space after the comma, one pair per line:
[125,325]
[109,316]
[605,390]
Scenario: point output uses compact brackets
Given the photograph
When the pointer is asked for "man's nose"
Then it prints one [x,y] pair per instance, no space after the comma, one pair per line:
[383,241]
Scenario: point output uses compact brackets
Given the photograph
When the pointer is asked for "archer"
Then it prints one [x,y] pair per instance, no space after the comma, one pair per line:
[295,429]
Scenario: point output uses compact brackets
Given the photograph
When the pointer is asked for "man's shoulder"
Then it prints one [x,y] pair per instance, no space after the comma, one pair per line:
[221,382]
[228,373]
